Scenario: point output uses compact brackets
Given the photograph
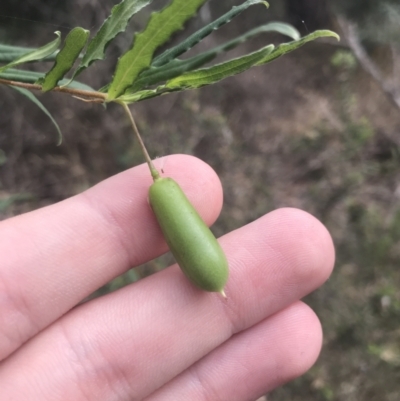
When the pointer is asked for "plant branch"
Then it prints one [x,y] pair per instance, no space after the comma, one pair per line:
[79,93]
[350,33]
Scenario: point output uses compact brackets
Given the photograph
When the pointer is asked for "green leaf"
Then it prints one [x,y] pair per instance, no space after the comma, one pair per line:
[76,85]
[171,70]
[202,77]
[14,49]
[144,94]
[73,45]
[8,57]
[207,76]
[177,67]
[112,26]
[211,75]
[280,27]
[38,103]
[37,54]
[285,48]
[9,53]
[21,75]
[32,77]
[159,29]
[29,77]
[195,38]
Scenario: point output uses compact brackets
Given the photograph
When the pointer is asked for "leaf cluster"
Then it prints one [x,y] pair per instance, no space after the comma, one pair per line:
[141,74]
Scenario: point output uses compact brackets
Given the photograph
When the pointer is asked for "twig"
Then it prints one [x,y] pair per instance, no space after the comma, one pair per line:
[79,93]
[350,32]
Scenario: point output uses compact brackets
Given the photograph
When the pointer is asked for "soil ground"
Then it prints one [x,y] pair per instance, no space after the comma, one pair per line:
[310,131]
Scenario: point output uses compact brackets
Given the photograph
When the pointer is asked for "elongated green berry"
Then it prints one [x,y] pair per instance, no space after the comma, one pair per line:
[192,243]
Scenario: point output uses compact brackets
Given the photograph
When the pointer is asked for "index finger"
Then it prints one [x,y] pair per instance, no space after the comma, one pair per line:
[56,256]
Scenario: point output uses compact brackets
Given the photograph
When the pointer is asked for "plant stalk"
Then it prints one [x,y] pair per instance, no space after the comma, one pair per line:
[79,93]
[154,172]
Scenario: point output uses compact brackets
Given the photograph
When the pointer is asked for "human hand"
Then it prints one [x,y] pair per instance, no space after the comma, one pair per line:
[161,338]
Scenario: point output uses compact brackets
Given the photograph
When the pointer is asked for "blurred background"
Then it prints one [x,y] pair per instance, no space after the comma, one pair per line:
[318,129]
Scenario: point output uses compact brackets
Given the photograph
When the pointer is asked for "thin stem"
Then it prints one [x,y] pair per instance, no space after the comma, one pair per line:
[154,173]
[96,96]
[350,31]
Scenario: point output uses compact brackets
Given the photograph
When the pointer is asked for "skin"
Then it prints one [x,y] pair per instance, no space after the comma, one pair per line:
[161,338]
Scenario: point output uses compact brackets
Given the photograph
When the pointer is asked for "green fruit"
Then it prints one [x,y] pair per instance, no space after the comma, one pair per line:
[192,243]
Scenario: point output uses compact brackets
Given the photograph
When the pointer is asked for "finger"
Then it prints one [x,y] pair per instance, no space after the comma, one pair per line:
[252,363]
[53,258]
[129,343]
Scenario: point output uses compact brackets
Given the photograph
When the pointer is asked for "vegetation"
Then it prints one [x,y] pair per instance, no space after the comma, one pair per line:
[313,130]
[140,74]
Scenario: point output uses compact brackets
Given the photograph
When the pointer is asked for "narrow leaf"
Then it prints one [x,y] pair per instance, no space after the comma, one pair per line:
[14,49]
[207,76]
[9,53]
[21,75]
[32,77]
[112,26]
[171,70]
[38,103]
[37,54]
[76,85]
[7,57]
[159,29]
[177,67]
[73,45]
[144,94]
[285,48]
[29,77]
[280,27]
[195,38]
